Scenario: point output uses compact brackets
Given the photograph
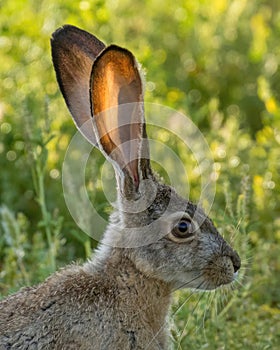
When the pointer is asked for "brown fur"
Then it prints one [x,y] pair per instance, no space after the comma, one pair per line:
[59,308]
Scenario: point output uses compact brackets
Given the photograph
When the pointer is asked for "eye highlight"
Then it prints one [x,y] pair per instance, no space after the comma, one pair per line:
[183,229]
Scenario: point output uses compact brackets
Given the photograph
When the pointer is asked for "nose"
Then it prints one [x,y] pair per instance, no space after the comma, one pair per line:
[236,262]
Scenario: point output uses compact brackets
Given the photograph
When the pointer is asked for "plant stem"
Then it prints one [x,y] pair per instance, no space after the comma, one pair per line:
[45,214]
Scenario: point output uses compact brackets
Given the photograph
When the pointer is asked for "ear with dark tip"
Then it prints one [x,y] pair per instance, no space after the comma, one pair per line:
[73,53]
[117,106]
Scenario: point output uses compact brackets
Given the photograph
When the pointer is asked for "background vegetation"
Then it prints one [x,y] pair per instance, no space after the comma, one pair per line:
[218,62]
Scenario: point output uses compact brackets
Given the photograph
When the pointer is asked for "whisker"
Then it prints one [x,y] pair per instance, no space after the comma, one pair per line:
[237,281]
[188,298]
[185,284]
[191,314]
[162,327]
[206,310]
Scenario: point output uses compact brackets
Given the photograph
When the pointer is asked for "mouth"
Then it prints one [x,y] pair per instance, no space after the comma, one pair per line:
[235,276]
[220,271]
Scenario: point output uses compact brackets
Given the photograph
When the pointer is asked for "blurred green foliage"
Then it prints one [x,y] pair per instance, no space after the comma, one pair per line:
[216,61]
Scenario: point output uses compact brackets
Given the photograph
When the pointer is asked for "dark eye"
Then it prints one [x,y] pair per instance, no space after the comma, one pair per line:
[183,229]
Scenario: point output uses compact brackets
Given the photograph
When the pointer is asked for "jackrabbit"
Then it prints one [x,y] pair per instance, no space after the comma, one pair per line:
[156,241]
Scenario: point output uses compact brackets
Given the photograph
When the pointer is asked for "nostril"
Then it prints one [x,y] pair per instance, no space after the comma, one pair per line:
[236,267]
[236,262]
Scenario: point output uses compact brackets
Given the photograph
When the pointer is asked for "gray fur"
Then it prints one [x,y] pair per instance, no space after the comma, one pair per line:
[121,297]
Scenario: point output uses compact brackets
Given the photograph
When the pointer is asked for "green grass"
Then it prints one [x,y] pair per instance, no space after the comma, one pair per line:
[217,62]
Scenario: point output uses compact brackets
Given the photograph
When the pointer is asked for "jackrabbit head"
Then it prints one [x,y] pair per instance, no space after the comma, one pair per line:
[166,236]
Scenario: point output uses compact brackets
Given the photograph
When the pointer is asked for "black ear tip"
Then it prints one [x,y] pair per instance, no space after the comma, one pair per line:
[57,34]
[62,31]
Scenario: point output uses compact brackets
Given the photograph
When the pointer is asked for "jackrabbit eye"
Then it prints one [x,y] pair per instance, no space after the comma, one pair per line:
[183,229]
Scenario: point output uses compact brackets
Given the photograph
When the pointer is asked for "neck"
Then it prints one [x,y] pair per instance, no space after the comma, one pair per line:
[143,300]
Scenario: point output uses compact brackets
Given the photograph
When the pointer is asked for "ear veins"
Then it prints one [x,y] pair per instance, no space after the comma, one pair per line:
[115,82]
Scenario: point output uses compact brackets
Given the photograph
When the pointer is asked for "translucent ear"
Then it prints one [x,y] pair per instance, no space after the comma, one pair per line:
[117,106]
[73,53]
